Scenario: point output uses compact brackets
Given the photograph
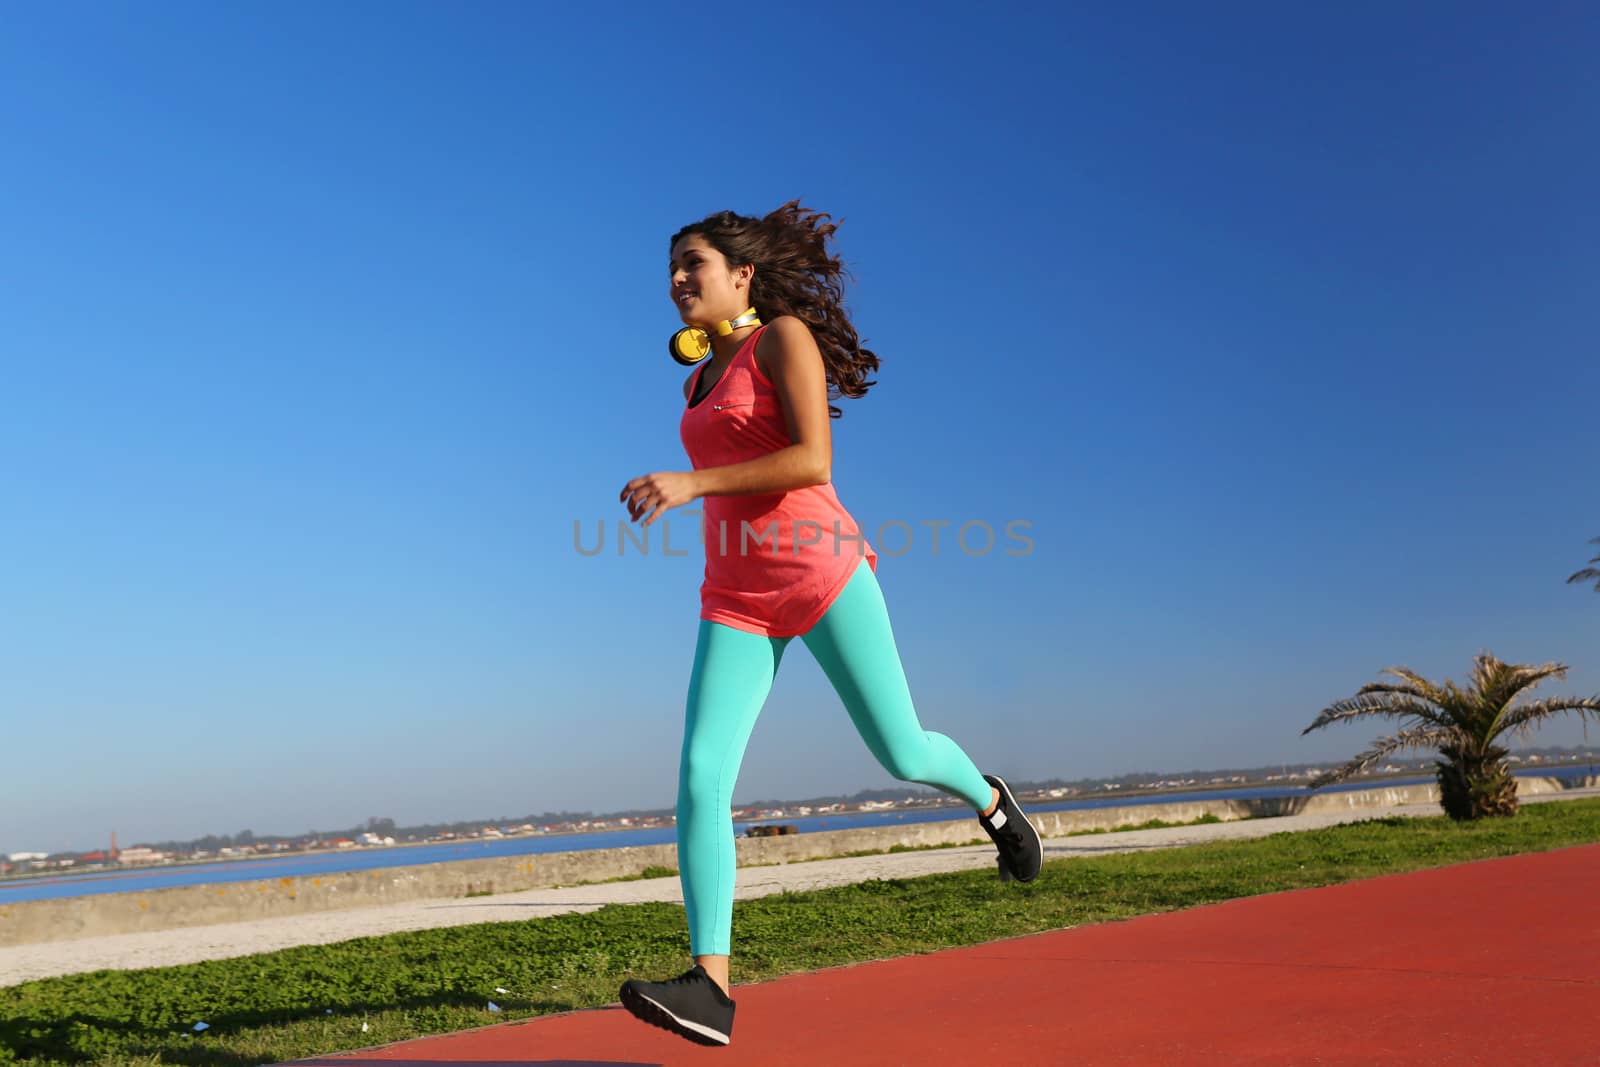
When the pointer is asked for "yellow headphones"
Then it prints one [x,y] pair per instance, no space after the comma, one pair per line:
[692,344]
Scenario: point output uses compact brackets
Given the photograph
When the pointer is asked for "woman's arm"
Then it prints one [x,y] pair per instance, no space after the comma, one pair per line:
[788,355]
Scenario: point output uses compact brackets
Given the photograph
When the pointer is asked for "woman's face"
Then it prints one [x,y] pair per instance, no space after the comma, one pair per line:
[704,289]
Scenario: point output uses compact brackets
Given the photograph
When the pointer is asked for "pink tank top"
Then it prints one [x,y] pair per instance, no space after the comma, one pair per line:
[775,562]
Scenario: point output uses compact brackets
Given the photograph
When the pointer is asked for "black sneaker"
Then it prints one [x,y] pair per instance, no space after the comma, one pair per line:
[1021,853]
[690,1005]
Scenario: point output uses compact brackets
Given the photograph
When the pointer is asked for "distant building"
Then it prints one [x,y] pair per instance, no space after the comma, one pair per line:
[140,855]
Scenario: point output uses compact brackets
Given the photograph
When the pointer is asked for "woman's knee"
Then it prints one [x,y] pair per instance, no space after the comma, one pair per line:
[909,761]
[700,778]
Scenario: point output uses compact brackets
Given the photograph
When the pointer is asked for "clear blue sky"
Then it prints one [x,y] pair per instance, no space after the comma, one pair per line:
[321,328]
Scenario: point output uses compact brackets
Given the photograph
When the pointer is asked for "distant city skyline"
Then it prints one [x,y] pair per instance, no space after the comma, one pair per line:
[1276,326]
[1522,756]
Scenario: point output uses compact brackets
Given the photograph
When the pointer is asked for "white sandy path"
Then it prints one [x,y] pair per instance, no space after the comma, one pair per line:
[166,947]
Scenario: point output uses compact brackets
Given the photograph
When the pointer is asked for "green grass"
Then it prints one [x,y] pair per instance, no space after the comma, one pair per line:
[307,1001]
[1151,824]
[652,871]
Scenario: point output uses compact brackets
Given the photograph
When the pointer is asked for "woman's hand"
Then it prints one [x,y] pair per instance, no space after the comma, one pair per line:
[652,494]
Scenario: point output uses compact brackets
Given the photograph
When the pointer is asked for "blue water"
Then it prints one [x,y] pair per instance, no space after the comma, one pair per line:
[139,880]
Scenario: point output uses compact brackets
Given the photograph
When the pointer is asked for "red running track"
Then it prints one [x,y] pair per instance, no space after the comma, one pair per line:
[1494,963]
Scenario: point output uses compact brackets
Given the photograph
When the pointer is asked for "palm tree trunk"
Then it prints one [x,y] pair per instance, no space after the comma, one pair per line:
[1476,784]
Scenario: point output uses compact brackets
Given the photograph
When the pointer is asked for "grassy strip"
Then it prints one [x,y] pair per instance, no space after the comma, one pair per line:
[306,1001]
[1150,824]
[672,872]
[651,871]
[1154,824]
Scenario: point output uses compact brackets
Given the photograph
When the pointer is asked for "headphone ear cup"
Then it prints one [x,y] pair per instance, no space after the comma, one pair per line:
[689,345]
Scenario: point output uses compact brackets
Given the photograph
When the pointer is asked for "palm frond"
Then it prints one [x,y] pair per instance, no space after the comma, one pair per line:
[1526,715]
[1516,675]
[1418,737]
[1385,687]
[1487,669]
[1378,704]
[1428,690]
[1459,705]
[1498,684]
[1526,675]
[1588,573]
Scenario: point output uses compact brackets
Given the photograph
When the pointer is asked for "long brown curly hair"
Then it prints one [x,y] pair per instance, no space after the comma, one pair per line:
[796,274]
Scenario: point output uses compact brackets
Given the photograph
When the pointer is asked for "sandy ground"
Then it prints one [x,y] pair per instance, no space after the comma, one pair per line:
[166,947]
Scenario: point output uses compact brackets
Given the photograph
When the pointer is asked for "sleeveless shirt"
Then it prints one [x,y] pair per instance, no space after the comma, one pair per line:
[775,562]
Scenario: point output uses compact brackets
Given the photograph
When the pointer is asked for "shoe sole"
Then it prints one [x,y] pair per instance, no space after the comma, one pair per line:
[1006,874]
[647,1010]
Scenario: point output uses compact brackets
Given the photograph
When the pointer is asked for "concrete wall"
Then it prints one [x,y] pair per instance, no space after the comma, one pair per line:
[165,909]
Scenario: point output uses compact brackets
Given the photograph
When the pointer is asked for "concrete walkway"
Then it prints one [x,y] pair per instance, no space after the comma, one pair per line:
[193,944]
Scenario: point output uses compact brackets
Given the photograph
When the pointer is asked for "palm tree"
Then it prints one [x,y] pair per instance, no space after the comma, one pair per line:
[1588,572]
[1462,724]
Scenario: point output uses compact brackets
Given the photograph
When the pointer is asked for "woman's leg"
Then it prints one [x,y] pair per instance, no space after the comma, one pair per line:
[854,644]
[733,673]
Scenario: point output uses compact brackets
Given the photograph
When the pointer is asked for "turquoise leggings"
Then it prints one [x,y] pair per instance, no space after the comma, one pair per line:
[733,673]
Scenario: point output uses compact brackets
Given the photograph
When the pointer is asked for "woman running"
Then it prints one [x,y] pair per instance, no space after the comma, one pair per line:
[784,559]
